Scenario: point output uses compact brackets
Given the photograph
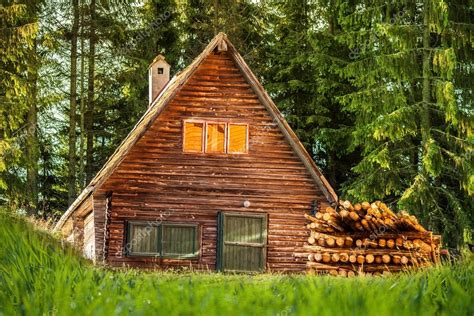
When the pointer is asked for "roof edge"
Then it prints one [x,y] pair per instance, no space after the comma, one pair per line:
[297,146]
[154,109]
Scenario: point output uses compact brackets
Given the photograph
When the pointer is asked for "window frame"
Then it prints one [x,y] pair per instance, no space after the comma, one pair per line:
[197,239]
[203,136]
[246,139]
[197,245]
[225,138]
[227,123]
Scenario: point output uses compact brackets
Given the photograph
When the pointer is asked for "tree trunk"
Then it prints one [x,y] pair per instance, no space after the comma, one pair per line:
[73,104]
[82,134]
[89,119]
[426,90]
[32,150]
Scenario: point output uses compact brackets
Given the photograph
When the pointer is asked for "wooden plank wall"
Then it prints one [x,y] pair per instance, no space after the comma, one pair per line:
[89,241]
[157,181]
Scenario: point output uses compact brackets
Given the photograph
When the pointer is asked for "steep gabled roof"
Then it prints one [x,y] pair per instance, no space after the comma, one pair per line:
[167,94]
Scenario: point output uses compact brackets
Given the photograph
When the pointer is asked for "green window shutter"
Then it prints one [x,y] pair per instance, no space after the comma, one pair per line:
[179,241]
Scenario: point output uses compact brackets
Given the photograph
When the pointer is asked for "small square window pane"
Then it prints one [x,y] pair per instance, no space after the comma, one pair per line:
[143,239]
[237,138]
[179,241]
[193,133]
[215,138]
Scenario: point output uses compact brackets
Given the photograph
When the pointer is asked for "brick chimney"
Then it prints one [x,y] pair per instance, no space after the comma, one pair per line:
[158,76]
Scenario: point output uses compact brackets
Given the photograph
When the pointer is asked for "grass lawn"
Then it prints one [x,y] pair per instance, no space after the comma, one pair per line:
[40,277]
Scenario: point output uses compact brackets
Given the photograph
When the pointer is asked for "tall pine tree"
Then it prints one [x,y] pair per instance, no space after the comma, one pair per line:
[411,62]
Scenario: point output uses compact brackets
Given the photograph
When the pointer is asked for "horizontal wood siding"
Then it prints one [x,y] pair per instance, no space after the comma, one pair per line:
[157,181]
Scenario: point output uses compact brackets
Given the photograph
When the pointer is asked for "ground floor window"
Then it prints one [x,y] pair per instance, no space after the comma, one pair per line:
[167,240]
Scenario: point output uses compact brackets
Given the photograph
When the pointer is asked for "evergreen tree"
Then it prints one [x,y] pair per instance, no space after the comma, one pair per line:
[302,76]
[412,66]
[18,33]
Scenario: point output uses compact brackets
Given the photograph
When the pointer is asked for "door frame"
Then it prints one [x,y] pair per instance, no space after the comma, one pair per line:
[220,238]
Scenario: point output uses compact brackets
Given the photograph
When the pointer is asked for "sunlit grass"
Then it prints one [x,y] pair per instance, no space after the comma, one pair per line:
[38,276]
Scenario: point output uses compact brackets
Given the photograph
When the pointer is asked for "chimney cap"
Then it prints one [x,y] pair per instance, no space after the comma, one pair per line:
[157,59]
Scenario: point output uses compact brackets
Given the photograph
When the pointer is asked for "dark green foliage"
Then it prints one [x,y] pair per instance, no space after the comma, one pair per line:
[413,118]
[380,93]
[302,76]
[18,32]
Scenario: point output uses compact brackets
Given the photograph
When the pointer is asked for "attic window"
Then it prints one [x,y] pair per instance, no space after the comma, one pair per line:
[160,70]
[215,137]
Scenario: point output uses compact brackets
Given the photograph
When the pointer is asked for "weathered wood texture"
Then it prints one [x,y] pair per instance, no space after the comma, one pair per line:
[89,239]
[157,181]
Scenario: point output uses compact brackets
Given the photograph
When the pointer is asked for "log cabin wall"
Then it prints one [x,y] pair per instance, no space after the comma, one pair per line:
[158,181]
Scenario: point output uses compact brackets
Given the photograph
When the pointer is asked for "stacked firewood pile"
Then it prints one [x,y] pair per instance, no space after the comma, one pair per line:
[367,238]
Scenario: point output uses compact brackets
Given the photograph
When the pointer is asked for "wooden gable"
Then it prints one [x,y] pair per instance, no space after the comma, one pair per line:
[151,178]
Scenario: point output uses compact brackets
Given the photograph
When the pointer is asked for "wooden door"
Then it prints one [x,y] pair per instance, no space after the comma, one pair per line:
[242,241]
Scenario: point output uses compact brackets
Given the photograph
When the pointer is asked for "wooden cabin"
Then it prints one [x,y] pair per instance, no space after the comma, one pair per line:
[211,177]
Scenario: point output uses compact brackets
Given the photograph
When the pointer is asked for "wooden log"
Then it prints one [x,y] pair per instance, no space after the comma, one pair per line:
[378,259]
[318,257]
[420,244]
[365,224]
[386,259]
[404,260]
[335,225]
[369,243]
[365,205]
[321,266]
[330,242]
[311,240]
[326,257]
[310,257]
[335,257]
[322,242]
[360,259]
[390,224]
[328,217]
[372,224]
[391,243]
[357,207]
[369,258]
[359,243]
[329,209]
[354,216]
[312,218]
[353,258]
[399,242]
[359,226]
[333,272]
[396,259]
[382,243]
[344,257]
[344,214]
[340,241]
[348,241]
[350,274]
[348,205]
[342,273]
